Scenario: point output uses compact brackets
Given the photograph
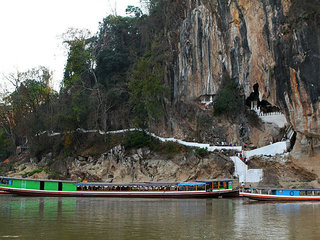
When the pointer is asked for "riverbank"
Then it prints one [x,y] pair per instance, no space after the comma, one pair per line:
[138,157]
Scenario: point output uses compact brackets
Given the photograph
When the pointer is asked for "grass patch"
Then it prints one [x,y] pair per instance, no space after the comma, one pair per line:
[29,174]
[252,118]
[201,152]
[141,139]
[53,174]
[136,139]
[92,152]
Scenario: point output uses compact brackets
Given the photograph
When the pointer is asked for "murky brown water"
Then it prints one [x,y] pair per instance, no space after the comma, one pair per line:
[113,218]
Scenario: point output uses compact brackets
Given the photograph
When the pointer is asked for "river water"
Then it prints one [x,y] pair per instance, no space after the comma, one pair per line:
[124,218]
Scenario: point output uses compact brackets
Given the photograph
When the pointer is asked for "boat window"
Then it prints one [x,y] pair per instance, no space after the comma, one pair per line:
[60,186]
[5,181]
[304,193]
[182,188]
[41,185]
[191,188]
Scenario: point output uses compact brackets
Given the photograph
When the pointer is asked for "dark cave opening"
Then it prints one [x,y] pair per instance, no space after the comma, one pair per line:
[263,106]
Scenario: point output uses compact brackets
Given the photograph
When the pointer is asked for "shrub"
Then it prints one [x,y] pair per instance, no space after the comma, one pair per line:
[172,147]
[229,101]
[201,152]
[53,174]
[304,15]
[253,118]
[29,174]
[136,140]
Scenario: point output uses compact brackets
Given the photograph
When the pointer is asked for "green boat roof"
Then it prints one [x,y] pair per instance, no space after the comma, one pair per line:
[33,179]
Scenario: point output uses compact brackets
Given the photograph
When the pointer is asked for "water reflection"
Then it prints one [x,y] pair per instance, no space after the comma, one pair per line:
[112,218]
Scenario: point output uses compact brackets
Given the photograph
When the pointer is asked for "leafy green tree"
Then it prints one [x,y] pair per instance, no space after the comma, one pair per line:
[7,140]
[78,64]
[229,101]
[147,92]
[25,112]
[117,48]
[4,145]
[78,83]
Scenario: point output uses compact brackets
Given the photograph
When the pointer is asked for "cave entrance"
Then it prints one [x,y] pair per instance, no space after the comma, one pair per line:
[266,107]
[253,100]
[261,107]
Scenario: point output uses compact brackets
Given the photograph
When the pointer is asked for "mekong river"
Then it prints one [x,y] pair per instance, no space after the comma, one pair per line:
[125,218]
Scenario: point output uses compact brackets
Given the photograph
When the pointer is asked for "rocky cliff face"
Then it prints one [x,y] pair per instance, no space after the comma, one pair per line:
[142,165]
[136,165]
[274,45]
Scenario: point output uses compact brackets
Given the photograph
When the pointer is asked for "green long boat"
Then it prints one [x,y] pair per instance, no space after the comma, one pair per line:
[44,187]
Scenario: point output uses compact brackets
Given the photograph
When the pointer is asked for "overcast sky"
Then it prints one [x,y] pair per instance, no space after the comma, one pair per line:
[30,31]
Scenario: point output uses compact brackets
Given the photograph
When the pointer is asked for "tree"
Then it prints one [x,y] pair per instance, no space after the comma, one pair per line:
[147,92]
[229,100]
[7,140]
[79,81]
[117,48]
[26,111]
[78,65]
[5,148]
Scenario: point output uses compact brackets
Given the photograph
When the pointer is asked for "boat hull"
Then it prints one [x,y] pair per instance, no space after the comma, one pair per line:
[4,192]
[137,194]
[266,197]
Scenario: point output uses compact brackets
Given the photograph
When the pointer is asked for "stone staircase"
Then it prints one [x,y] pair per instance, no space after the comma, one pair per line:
[244,174]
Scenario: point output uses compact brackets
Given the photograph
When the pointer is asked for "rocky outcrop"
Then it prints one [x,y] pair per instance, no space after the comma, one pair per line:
[141,165]
[275,44]
[138,165]
[280,171]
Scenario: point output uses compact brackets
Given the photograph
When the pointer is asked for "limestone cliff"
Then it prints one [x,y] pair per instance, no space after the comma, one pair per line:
[120,165]
[273,45]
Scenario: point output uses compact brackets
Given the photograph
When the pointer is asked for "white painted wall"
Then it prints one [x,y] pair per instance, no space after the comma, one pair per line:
[278,119]
[244,174]
[269,150]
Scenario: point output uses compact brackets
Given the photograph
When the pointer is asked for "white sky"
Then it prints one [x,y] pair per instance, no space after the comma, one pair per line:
[30,31]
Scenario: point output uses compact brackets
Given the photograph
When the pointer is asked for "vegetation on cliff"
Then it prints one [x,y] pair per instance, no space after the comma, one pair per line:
[129,75]
[110,79]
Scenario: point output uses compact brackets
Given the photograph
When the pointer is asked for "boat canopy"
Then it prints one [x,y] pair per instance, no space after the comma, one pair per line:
[139,184]
[123,185]
[191,183]
[216,180]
